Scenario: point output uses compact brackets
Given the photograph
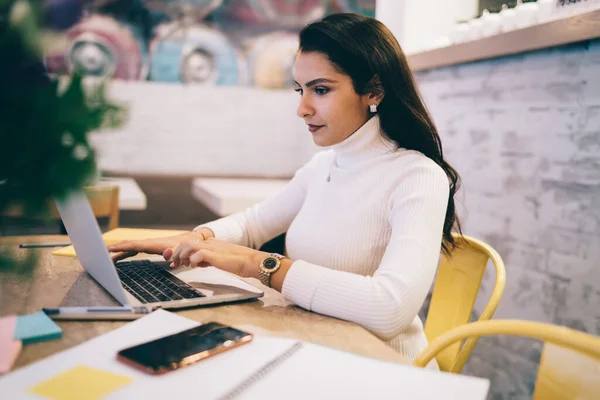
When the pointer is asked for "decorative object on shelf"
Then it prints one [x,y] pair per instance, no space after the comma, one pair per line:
[365,7]
[103,46]
[492,23]
[475,29]
[238,11]
[195,54]
[291,13]
[271,58]
[526,14]
[508,18]
[195,10]
[574,29]
[573,7]
[61,14]
[459,32]
[186,41]
[281,13]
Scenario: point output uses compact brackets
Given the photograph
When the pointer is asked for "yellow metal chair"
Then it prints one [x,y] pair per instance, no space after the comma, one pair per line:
[454,292]
[104,201]
[570,363]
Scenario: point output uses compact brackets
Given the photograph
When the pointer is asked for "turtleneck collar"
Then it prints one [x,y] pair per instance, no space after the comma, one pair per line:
[367,142]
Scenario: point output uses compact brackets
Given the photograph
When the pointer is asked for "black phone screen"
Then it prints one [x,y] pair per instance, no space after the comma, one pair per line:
[174,351]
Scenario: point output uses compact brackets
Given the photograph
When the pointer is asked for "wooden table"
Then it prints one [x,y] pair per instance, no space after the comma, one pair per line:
[61,281]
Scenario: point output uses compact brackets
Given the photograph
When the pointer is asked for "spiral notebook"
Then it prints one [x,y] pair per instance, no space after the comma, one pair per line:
[267,367]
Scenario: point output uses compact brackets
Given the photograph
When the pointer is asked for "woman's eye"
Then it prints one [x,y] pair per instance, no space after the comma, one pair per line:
[321,90]
[298,90]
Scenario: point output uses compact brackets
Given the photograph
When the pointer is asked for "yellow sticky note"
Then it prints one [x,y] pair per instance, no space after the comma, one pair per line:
[119,234]
[80,383]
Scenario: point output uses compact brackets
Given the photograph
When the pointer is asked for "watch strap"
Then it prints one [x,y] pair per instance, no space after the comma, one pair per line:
[265,275]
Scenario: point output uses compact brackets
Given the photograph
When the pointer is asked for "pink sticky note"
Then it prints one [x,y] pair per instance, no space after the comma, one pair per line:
[10,347]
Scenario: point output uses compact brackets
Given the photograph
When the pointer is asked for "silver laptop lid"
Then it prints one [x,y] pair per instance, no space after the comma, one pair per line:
[86,237]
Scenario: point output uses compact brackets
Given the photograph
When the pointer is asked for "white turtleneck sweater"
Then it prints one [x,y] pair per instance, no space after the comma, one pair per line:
[364,224]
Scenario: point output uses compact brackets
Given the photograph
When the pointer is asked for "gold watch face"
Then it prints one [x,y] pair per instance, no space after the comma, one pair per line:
[270,263]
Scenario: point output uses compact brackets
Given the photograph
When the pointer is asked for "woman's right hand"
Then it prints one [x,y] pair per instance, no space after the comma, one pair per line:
[163,246]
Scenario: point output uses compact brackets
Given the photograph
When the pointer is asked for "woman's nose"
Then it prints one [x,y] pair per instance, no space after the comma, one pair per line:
[305,109]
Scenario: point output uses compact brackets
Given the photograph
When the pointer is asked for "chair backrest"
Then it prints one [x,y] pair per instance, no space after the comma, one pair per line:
[570,364]
[454,292]
[565,374]
[104,201]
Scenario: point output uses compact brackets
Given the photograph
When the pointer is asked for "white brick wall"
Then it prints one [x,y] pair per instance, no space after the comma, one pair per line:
[191,130]
[524,133]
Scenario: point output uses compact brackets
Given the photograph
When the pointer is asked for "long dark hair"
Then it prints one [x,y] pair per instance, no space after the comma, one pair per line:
[365,49]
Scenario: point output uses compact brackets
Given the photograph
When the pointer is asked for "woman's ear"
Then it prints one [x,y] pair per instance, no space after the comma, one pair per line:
[375,90]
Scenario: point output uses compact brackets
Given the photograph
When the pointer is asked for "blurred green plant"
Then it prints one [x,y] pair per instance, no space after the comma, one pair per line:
[44,122]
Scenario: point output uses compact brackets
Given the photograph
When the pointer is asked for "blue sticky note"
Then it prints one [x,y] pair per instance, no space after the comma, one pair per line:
[36,328]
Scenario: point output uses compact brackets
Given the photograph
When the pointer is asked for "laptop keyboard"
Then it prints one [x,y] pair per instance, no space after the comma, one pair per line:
[150,283]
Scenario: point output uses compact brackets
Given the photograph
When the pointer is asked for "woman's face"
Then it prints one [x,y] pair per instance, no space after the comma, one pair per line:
[328,103]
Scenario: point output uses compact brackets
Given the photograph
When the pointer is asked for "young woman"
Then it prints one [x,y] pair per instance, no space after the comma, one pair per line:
[366,218]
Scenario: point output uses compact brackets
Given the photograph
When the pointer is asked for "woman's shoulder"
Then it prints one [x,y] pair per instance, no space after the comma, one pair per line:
[413,160]
[414,168]
[415,172]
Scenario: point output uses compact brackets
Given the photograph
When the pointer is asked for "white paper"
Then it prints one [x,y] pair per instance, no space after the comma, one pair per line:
[208,378]
[312,372]
[317,372]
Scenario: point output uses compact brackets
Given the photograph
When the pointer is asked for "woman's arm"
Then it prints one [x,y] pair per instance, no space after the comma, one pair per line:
[387,302]
[250,228]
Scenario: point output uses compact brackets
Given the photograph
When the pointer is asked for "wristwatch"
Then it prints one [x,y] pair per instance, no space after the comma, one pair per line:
[268,266]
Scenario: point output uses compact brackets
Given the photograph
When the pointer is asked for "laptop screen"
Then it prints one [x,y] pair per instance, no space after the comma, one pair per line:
[86,237]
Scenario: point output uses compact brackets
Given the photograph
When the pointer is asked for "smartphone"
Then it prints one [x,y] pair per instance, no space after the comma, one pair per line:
[184,348]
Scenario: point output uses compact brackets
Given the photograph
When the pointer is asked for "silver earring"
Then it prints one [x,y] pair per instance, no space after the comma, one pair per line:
[373,108]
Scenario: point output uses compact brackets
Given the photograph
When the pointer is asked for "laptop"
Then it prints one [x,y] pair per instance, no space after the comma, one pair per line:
[148,282]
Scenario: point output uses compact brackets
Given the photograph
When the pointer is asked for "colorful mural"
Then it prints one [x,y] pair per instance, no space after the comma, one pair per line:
[199,42]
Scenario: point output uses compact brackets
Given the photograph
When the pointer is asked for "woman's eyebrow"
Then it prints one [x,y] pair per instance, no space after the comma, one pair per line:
[317,81]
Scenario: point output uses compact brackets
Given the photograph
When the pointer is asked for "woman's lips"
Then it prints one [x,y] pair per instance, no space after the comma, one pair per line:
[314,128]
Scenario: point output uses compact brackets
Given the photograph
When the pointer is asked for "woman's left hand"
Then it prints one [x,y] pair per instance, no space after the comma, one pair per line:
[240,260]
